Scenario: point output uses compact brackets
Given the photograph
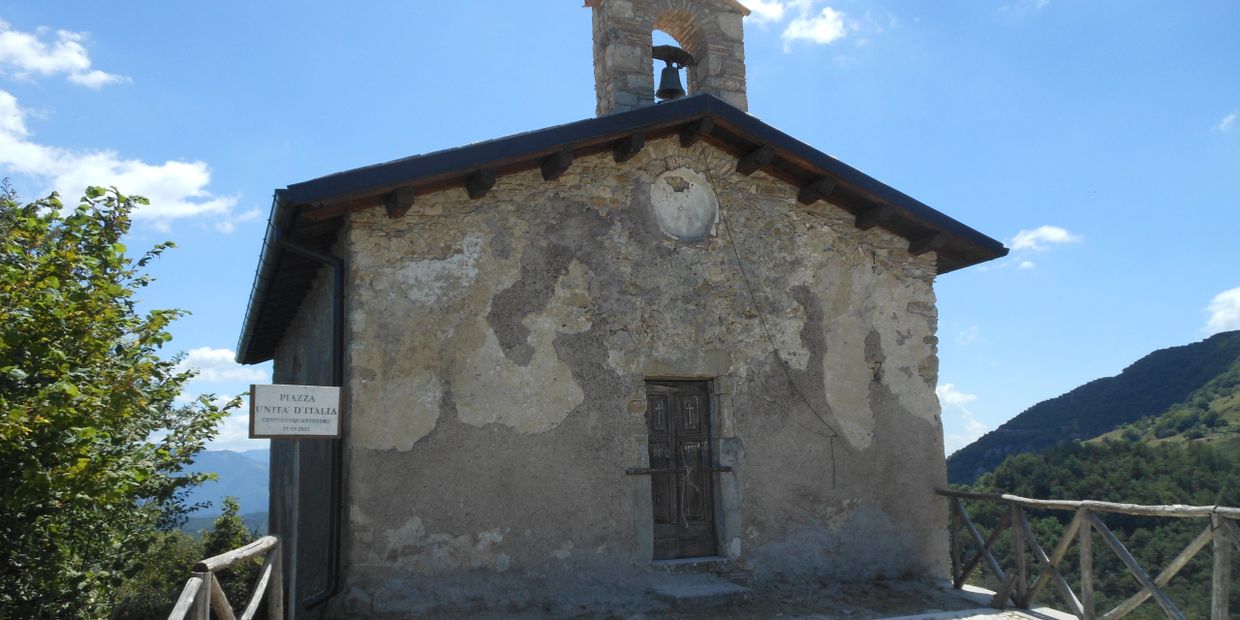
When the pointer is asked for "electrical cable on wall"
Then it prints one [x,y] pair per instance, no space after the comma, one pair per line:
[770,338]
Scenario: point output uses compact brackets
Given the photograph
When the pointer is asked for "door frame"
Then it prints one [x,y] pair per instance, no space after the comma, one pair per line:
[683,521]
[727,452]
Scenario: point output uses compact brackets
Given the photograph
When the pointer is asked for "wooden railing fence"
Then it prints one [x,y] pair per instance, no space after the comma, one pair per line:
[1016,588]
[202,593]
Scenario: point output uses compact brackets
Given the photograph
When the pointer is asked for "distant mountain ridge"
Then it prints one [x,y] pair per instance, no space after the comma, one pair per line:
[1149,387]
[243,475]
[1210,415]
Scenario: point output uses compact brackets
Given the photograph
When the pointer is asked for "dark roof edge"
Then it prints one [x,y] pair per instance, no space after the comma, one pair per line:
[476,155]
[779,140]
[279,218]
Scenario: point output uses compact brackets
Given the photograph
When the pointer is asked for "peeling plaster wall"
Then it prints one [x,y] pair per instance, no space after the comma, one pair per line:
[497,355]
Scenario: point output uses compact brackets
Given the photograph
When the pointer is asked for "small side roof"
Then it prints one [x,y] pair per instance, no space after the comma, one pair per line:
[310,213]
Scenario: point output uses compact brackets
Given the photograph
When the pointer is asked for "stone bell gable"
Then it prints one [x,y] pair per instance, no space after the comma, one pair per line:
[710,30]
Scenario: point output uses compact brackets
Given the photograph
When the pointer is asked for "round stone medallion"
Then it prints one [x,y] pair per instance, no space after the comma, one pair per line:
[684,204]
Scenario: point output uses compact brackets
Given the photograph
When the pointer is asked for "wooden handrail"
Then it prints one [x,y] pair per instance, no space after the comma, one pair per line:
[186,600]
[228,558]
[1014,584]
[202,591]
[1172,510]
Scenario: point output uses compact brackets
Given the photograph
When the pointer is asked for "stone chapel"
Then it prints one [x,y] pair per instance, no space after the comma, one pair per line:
[575,359]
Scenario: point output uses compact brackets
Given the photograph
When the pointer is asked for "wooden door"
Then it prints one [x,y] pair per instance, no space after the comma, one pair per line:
[678,420]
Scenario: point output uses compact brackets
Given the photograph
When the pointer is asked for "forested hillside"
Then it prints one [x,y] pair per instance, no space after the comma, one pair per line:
[1209,415]
[1150,387]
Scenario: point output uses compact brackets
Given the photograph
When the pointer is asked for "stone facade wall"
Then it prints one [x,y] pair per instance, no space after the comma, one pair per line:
[710,30]
[498,350]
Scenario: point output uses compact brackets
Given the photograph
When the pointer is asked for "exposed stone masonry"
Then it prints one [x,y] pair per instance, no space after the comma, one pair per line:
[710,30]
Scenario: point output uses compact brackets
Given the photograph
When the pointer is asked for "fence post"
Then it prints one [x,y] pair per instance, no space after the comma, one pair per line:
[202,606]
[1219,609]
[275,587]
[1018,554]
[953,507]
[1086,541]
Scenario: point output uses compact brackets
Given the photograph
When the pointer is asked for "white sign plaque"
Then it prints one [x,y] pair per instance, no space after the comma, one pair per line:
[294,412]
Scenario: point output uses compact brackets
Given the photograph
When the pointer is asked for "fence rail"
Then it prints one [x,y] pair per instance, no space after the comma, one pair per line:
[1016,588]
[202,593]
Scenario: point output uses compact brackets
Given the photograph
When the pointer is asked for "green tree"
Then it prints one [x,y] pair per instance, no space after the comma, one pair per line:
[153,590]
[91,445]
[227,533]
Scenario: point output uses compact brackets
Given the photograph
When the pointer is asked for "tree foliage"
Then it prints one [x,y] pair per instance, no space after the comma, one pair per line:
[91,443]
[152,592]
[230,532]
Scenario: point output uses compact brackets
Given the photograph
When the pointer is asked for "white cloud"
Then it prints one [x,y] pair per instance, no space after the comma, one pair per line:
[229,224]
[1228,122]
[950,395]
[24,54]
[763,11]
[234,434]
[1041,238]
[217,365]
[1024,6]
[1027,264]
[961,427]
[1224,311]
[221,376]
[176,189]
[969,336]
[823,28]
[970,431]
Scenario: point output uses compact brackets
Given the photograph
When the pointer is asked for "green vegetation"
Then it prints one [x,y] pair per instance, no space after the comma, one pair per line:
[1209,415]
[1188,452]
[91,444]
[1147,388]
[152,592]
[1119,472]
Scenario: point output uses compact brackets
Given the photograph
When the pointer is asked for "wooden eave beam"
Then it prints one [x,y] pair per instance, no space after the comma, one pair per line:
[480,182]
[874,216]
[755,160]
[929,243]
[629,147]
[556,163]
[692,132]
[785,165]
[398,201]
[819,189]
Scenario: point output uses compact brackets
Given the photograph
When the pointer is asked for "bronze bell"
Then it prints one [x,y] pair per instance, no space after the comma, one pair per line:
[669,84]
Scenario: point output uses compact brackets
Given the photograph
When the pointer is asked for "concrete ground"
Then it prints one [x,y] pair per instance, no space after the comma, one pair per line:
[979,597]
[885,600]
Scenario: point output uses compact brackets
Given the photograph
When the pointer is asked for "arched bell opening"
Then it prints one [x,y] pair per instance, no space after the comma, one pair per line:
[678,35]
[668,60]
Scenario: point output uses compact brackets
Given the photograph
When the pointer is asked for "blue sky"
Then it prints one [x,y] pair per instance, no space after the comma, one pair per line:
[1099,140]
